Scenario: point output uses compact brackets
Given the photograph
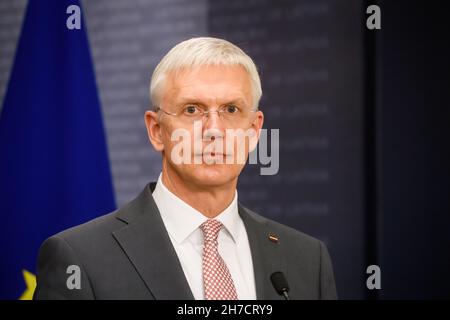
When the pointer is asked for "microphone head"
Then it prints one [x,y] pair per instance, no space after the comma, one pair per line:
[279,282]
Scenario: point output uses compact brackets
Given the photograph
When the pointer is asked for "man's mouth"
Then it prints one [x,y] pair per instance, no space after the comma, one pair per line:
[218,154]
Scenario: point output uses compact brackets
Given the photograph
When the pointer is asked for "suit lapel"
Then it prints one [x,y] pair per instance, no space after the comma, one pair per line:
[147,244]
[266,254]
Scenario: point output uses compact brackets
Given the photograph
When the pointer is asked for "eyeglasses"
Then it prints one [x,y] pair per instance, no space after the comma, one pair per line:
[230,114]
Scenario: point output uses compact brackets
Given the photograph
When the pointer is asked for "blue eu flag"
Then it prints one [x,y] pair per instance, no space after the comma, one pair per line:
[54,169]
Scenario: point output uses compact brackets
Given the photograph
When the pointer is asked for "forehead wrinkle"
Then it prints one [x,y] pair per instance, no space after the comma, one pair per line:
[185,87]
[212,100]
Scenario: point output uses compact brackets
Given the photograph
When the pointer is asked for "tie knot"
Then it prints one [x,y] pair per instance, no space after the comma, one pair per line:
[211,228]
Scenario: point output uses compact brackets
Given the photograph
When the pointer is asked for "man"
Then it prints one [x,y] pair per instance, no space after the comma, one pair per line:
[186,236]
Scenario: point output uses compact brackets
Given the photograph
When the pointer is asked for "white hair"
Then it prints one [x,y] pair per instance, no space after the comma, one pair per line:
[199,52]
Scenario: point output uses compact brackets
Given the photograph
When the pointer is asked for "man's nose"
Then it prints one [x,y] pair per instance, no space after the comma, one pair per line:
[213,120]
[213,126]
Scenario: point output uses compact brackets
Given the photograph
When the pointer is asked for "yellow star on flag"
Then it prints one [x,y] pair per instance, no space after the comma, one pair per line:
[30,281]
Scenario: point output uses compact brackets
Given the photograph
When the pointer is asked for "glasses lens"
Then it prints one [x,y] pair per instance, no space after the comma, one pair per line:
[230,116]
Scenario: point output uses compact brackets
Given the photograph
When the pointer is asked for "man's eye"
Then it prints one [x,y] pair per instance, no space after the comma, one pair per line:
[231,109]
[190,110]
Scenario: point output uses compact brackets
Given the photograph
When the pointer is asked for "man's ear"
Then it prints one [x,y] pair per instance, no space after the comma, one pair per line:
[154,130]
[256,125]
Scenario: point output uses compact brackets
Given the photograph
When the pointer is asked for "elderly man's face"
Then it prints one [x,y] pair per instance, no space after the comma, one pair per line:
[208,88]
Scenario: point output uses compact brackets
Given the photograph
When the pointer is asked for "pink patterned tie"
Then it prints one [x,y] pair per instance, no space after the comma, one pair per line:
[217,280]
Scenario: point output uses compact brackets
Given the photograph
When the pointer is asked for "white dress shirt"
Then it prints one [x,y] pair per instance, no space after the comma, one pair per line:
[182,223]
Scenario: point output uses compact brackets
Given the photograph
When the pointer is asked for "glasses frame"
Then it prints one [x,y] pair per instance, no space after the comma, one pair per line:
[203,112]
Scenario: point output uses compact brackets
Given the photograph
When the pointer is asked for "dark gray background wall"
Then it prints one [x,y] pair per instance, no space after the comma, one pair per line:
[413,150]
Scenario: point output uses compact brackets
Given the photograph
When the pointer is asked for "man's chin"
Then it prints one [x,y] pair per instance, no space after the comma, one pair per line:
[212,175]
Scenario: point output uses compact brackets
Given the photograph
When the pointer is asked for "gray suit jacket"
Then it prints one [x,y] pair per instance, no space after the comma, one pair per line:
[128,254]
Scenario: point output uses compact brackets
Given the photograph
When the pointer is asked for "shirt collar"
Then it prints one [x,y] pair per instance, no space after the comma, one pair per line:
[181,220]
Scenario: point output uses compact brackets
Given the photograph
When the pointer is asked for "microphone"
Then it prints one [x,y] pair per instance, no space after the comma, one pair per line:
[280,284]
